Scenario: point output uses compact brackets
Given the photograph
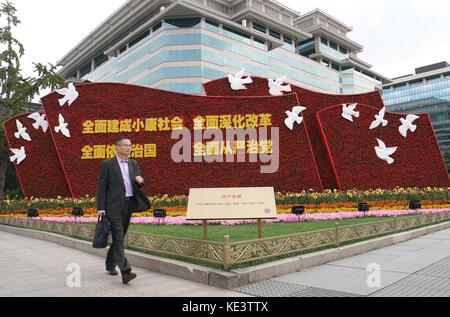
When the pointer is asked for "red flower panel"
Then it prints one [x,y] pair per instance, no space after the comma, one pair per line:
[313,101]
[40,174]
[418,161]
[109,102]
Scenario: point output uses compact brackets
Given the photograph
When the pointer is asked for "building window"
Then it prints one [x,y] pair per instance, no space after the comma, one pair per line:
[184,23]
[156,27]
[335,66]
[333,46]
[86,69]
[307,47]
[343,50]
[419,81]
[433,78]
[122,49]
[324,41]
[139,38]
[275,34]
[257,40]
[258,27]
[100,60]
[226,28]
[287,40]
[212,23]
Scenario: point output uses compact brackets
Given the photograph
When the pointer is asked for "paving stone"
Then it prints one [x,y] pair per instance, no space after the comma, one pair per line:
[417,268]
[37,268]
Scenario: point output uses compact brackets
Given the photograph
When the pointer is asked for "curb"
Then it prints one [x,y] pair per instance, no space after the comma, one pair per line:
[239,277]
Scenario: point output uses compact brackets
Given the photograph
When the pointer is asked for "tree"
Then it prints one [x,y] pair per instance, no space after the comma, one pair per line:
[17,91]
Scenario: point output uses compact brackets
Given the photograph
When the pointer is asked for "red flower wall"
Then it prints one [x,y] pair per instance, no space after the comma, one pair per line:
[40,174]
[351,146]
[344,164]
[312,100]
[297,169]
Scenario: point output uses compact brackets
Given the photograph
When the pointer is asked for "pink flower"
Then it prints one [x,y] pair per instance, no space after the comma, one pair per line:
[285,218]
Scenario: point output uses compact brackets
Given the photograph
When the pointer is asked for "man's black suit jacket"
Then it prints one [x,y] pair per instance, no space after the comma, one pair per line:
[111,188]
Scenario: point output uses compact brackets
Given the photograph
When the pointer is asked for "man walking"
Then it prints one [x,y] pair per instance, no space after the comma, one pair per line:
[118,195]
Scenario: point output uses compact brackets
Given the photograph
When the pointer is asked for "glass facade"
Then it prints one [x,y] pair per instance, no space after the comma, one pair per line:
[430,94]
[332,52]
[179,55]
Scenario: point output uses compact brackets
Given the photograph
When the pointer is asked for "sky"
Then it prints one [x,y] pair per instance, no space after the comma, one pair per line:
[397,36]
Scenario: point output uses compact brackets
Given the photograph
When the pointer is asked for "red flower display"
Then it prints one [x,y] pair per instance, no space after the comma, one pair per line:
[135,108]
[351,147]
[313,101]
[40,174]
[325,151]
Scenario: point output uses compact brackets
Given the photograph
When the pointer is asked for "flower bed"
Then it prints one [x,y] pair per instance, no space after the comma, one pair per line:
[320,208]
[328,202]
[285,218]
[305,197]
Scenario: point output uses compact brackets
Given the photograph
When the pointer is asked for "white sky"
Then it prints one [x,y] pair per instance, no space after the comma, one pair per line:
[397,36]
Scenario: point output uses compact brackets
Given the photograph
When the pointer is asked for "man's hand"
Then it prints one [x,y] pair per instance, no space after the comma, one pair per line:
[139,180]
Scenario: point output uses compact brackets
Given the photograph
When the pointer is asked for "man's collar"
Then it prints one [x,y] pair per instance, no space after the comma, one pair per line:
[120,160]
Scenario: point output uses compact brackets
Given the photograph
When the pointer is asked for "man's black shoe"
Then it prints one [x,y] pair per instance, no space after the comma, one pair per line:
[128,277]
[113,272]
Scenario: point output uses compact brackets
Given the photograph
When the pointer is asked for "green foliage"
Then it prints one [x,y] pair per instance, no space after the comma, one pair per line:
[16,91]
[398,194]
[247,231]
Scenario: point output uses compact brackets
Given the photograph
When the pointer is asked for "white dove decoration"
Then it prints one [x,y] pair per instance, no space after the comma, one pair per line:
[277,88]
[348,112]
[379,120]
[62,128]
[19,155]
[293,117]
[384,152]
[407,125]
[21,132]
[40,121]
[237,81]
[70,95]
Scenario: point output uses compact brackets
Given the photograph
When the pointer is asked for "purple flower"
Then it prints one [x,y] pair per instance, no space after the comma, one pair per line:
[284,218]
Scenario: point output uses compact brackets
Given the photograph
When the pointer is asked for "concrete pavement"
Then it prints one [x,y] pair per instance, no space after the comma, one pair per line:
[31,267]
[419,267]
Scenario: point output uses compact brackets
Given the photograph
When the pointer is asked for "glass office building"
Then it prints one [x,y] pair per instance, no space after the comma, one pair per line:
[428,90]
[179,45]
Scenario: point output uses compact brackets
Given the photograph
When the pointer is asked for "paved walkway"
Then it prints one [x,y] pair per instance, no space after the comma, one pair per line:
[416,268]
[419,267]
[30,267]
